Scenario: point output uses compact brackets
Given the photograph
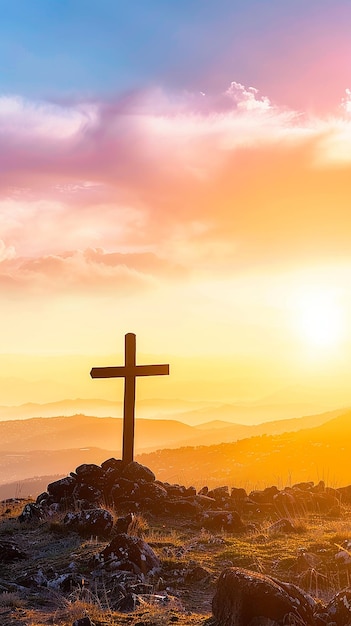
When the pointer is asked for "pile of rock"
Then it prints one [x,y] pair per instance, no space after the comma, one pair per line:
[88,492]
[301,498]
[133,487]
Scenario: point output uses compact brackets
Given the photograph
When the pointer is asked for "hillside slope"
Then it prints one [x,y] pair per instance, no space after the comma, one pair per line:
[322,452]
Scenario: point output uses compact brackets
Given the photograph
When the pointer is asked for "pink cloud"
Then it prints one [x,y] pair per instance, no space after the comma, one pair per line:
[230,181]
[84,271]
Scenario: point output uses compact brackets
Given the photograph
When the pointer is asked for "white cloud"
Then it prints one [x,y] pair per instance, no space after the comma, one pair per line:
[246,98]
[346,101]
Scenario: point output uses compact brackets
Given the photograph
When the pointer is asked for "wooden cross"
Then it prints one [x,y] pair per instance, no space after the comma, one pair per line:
[129,372]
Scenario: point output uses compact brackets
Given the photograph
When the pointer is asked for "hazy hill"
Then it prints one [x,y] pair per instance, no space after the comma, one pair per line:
[246,414]
[80,430]
[28,487]
[42,446]
[17,466]
[97,407]
[190,412]
[59,408]
[322,452]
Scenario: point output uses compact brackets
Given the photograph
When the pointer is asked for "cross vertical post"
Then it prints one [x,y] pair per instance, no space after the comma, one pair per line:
[129,399]
[129,372]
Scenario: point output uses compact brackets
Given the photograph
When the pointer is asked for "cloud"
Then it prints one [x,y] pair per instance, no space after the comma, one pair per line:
[43,119]
[247,98]
[212,182]
[86,271]
[346,101]
[6,252]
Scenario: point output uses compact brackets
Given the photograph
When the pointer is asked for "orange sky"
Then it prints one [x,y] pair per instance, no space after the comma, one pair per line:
[213,228]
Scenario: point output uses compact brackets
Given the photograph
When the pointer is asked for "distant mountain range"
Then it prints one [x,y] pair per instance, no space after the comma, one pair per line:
[79,431]
[99,408]
[190,412]
[47,446]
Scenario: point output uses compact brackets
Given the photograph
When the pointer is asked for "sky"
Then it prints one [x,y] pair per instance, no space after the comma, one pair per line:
[181,170]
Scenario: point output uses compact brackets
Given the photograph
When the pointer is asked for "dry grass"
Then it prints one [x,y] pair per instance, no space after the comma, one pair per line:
[306,557]
[11,599]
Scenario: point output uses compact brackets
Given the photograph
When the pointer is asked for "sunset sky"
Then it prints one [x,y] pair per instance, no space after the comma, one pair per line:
[180,169]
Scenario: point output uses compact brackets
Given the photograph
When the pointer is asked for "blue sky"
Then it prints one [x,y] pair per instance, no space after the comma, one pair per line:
[66,48]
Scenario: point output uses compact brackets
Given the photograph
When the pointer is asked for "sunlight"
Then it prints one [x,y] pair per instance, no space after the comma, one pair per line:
[320,319]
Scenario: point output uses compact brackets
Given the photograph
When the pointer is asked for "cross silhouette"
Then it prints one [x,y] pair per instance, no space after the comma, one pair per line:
[129,371]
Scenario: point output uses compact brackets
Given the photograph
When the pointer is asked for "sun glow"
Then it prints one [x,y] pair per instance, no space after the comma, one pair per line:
[320,319]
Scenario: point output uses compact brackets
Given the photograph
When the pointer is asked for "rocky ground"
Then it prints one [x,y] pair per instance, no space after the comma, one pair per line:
[56,578]
[156,557]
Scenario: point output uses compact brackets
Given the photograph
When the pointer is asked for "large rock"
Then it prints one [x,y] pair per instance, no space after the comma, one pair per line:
[151,490]
[87,492]
[124,490]
[244,598]
[122,524]
[344,494]
[238,493]
[182,507]
[178,491]
[90,522]
[264,496]
[110,478]
[135,471]
[129,553]
[282,525]
[229,521]
[219,494]
[62,488]
[31,513]
[115,464]
[205,502]
[338,611]
[286,503]
[90,472]
[327,503]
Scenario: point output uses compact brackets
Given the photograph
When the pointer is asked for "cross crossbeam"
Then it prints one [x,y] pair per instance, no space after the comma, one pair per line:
[129,371]
[123,371]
